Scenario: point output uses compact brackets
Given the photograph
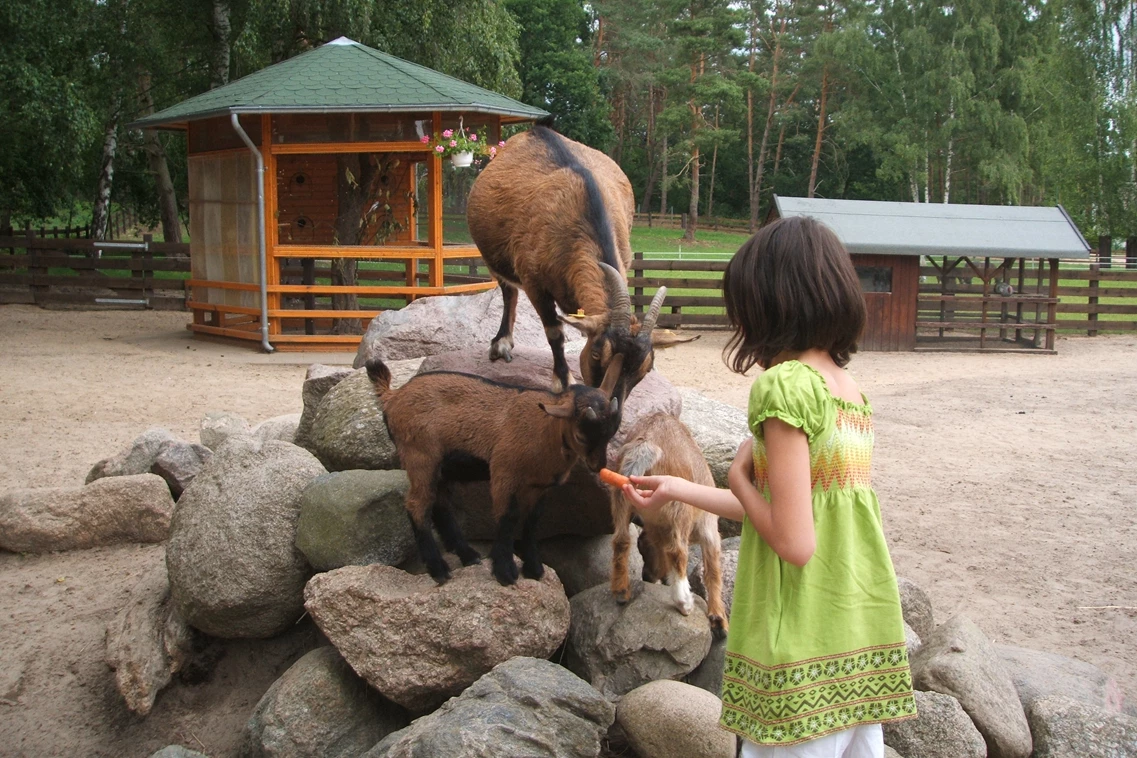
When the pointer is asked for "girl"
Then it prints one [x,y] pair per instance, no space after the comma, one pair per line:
[815,657]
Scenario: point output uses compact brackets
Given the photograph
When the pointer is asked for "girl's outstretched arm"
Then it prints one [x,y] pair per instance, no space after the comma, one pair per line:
[651,492]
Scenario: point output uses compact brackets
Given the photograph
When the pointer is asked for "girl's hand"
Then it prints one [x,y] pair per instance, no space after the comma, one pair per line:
[649,493]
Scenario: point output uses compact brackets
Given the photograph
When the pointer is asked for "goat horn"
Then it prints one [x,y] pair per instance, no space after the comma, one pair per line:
[614,406]
[653,311]
[612,374]
[619,304]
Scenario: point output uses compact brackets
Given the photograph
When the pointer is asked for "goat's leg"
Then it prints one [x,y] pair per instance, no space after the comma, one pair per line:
[712,576]
[424,538]
[501,555]
[531,566]
[502,344]
[675,556]
[621,545]
[555,333]
[449,530]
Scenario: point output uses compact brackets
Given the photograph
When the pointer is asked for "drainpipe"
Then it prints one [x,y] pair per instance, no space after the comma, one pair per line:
[260,228]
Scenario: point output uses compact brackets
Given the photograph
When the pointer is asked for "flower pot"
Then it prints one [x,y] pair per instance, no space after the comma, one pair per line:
[461,160]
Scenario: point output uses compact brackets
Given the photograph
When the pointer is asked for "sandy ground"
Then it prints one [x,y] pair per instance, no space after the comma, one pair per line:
[1006,483]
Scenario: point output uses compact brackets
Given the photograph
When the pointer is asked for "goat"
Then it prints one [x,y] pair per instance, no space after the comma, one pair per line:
[553,217]
[661,444]
[451,427]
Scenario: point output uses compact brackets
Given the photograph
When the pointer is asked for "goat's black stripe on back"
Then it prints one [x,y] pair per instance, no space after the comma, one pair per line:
[597,210]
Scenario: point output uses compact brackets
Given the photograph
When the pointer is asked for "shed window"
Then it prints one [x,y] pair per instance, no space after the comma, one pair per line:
[875,278]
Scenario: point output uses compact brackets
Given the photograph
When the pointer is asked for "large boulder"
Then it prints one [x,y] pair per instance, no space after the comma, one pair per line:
[218,426]
[147,642]
[523,707]
[916,606]
[668,719]
[957,659]
[107,511]
[585,562]
[136,459]
[1037,675]
[179,462]
[420,643]
[234,567]
[941,729]
[281,428]
[718,430]
[708,674]
[1066,728]
[447,323]
[319,708]
[348,430]
[355,518]
[177,751]
[317,382]
[620,647]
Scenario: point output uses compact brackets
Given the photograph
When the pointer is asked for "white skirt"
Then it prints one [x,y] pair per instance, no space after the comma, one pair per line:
[864,741]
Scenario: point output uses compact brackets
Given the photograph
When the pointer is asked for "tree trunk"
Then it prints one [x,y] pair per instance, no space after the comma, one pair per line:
[101,210]
[693,210]
[750,121]
[714,162]
[663,181]
[771,109]
[652,164]
[820,132]
[156,161]
[220,29]
[353,180]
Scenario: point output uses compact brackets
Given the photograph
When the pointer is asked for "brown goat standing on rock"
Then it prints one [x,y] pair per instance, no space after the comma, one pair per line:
[553,217]
[451,427]
[661,444]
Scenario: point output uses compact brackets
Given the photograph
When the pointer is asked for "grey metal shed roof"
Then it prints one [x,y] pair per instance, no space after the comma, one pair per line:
[997,231]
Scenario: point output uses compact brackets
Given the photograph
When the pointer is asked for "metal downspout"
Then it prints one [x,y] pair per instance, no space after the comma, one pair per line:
[260,228]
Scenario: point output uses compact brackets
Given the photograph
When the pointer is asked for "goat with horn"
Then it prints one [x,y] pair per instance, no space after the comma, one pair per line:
[553,217]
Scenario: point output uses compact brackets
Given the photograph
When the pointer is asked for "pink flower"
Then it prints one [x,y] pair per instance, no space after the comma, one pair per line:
[447,132]
[425,139]
[453,143]
[473,138]
[493,152]
[439,149]
[501,144]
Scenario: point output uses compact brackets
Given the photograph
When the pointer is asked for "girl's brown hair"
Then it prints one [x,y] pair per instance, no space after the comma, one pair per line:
[791,286]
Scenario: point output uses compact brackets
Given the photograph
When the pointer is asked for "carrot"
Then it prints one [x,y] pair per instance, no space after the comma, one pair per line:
[612,478]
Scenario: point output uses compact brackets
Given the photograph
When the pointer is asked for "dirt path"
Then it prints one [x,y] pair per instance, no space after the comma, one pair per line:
[1006,483]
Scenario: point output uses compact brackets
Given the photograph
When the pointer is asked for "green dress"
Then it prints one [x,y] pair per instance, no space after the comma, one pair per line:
[817,648]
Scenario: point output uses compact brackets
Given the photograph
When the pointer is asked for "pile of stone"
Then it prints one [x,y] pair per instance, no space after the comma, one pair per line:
[303,516]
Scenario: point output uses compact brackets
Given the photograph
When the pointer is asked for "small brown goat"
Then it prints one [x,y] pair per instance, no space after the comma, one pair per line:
[552,217]
[450,427]
[660,444]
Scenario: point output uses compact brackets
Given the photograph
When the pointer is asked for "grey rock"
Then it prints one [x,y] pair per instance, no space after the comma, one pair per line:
[234,567]
[957,659]
[348,430]
[137,459]
[730,547]
[708,674]
[179,462]
[107,511]
[218,426]
[177,751]
[890,753]
[718,429]
[281,428]
[446,323]
[585,562]
[147,642]
[941,730]
[318,380]
[420,643]
[523,707]
[1066,728]
[1037,675]
[911,640]
[319,708]
[355,518]
[620,647]
[916,606]
[668,719]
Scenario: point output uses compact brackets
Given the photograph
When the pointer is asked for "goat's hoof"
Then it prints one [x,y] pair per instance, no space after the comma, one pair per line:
[505,573]
[686,608]
[533,571]
[718,626]
[470,557]
[622,598]
[502,351]
[441,577]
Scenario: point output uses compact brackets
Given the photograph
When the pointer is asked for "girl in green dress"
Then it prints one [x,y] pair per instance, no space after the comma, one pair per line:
[816,658]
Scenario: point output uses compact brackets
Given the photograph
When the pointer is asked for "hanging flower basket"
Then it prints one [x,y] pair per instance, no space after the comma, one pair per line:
[461,148]
[461,160]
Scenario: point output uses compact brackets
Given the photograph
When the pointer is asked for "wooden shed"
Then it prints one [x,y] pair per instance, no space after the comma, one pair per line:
[314,201]
[952,277]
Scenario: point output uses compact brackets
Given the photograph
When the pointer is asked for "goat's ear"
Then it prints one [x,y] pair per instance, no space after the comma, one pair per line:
[561,410]
[665,338]
[586,325]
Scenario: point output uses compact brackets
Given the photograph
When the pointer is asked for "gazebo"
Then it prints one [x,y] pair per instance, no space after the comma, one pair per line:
[1013,252]
[314,201]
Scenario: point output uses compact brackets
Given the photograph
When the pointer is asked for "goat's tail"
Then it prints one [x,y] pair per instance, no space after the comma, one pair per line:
[638,456]
[379,375]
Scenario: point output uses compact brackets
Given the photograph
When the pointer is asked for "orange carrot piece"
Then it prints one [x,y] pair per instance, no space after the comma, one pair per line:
[611,477]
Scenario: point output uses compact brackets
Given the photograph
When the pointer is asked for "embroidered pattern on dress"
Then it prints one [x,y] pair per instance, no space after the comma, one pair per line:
[842,460]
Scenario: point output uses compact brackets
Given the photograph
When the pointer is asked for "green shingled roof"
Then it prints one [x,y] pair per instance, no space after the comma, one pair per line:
[342,76]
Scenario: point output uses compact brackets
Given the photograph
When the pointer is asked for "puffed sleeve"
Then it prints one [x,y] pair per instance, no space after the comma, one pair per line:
[793,393]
